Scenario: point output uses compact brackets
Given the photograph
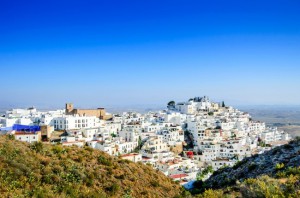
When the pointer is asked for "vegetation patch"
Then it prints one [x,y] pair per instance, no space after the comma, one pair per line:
[41,170]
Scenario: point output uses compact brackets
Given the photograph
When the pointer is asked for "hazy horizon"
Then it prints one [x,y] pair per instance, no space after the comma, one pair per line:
[146,107]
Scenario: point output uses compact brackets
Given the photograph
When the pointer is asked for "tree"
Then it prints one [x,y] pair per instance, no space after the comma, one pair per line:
[205,172]
[223,104]
[262,144]
[171,103]
[140,142]
[140,145]
[113,135]
[236,156]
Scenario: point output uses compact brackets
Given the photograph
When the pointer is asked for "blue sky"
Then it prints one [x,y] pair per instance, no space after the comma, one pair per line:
[114,53]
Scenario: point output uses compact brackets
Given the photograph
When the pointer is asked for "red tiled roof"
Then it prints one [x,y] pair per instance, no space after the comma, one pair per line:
[25,133]
[129,154]
[178,176]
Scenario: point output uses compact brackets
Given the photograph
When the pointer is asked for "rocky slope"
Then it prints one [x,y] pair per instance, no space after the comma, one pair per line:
[268,163]
[40,170]
[275,173]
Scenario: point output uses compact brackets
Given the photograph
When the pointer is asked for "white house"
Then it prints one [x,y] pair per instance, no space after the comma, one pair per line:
[29,137]
[75,122]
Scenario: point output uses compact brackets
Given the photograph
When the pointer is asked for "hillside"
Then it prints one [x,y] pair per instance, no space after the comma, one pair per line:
[40,170]
[275,173]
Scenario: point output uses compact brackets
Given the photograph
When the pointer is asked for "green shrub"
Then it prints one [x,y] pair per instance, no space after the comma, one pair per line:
[264,186]
[252,167]
[113,189]
[154,183]
[293,171]
[87,148]
[37,147]
[205,172]
[58,149]
[279,166]
[10,137]
[212,194]
[104,161]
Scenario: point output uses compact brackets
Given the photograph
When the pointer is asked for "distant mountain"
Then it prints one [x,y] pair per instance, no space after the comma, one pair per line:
[286,118]
[41,170]
[275,173]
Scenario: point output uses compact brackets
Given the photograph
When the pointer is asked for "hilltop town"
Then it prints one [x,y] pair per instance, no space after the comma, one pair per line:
[187,141]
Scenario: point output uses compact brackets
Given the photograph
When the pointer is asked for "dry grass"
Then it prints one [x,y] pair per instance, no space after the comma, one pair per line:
[55,171]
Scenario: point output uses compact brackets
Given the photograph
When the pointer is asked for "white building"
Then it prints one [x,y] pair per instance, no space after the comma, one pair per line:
[134,157]
[272,135]
[156,144]
[29,137]
[75,122]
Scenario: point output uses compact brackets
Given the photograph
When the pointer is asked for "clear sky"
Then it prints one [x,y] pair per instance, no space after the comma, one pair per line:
[110,53]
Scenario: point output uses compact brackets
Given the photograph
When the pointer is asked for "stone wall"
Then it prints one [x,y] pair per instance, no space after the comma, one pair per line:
[99,113]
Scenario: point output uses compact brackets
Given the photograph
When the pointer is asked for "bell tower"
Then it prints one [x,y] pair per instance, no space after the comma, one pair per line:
[69,108]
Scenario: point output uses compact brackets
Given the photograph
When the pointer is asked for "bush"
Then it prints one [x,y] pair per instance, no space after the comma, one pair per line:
[252,167]
[212,194]
[37,147]
[288,146]
[288,172]
[104,161]
[262,187]
[279,166]
[87,148]
[295,140]
[205,172]
[113,189]
[11,137]
[154,183]
[58,149]
[237,165]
